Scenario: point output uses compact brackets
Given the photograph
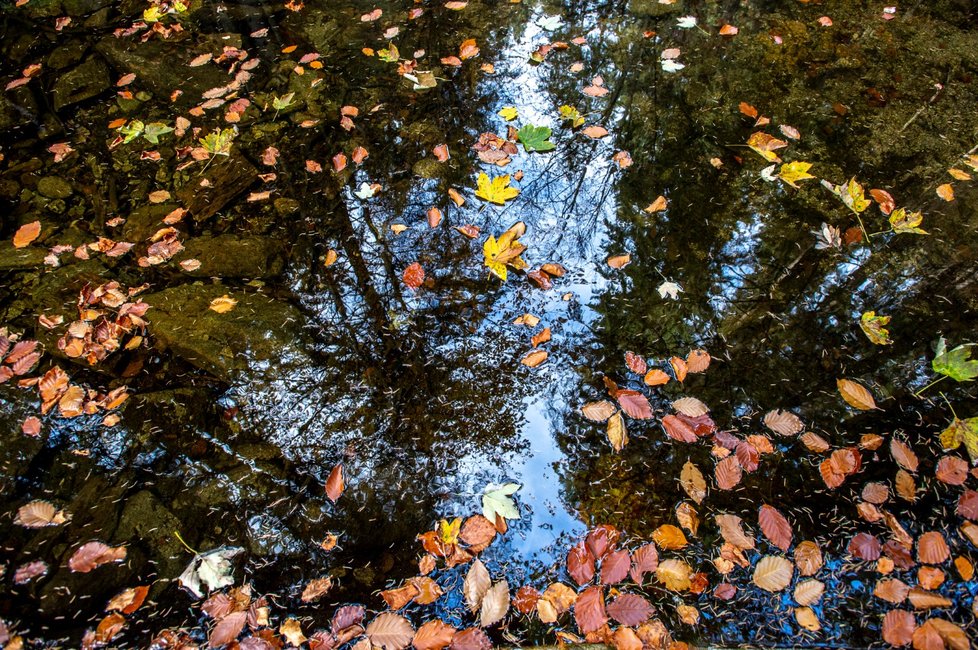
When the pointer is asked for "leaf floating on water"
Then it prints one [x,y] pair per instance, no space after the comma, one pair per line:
[589,610]
[223,305]
[90,555]
[26,234]
[775,527]
[728,473]
[856,395]
[903,455]
[898,627]
[38,514]
[932,549]
[498,500]
[534,358]
[414,276]
[957,363]
[227,629]
[669,538]
[690,406]
[674,574]
[773,573]
[630,609]
[212,569]
[619,261]
[635,404]
[692,481]
[390,631]
[535,138]
[495,605]
[678,429]
[656,377]
[614,567]
[807,619]
[784,423]
[874,327]
[335,484]
[617,433]
[433,635]
[598,411]
[808,558]
[697,361]
[809,592]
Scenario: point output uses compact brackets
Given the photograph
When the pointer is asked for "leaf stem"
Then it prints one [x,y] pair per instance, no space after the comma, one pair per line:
[939,379]
[185,545]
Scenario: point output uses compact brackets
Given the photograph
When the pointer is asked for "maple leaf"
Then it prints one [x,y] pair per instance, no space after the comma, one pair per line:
[213,569]
[957,363]
[851,194]
[874,327]
[572,115]
[902,221]
[962,431]
[448,531]
[505,251]
[498,500]
[765,145]
[508,113]
[793,172]
[497,190]
[535,138]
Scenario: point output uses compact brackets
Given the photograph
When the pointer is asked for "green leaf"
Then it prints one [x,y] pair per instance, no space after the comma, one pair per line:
[957,363]
[283,102]
[962,431]
[535,138]
[497,499]
[572,115]
[219,142]
[132,130]
[874,327]
[389,54]
[154,130]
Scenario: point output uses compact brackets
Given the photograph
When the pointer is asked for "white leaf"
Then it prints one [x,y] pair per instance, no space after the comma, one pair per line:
[671,65]
[497,499]
[365,191]
[686,22]
[476,585]
[768,174]
[213,568]
[671,289]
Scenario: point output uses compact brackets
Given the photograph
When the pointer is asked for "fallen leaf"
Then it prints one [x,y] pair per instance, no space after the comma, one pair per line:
[856,395]
[414,276]
[223,305]
[390,631]
[335,484]
[90,555]
[773,573]
[26,234]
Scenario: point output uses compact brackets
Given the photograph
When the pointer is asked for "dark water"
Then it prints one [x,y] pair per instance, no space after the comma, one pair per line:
[236,419]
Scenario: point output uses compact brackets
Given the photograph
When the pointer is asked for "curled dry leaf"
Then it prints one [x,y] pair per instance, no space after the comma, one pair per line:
[773,573]
[688,517]
[692,481]
[784,423]
[38,514]
[732,531]
[335,484]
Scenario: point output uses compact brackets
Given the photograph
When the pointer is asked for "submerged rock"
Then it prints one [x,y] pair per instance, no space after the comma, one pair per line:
[233,256]
[258,336]
[54,187]
[89,79]
[204,196]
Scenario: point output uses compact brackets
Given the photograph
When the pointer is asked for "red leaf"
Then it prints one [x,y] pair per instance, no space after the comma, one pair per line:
[441,152]
[589,610]
[898,627]
[414,276]
[335,484]
[884,199]
[227,629]
[614,567]
[864,546]
[433,635]
[630,609]
[728,473]
[677,429]
[748,456]
[525,600]
[580,564]
[471,639]
[636,363]
[93,554]
[644,560]
[602,539]
[634,404]
[775,527]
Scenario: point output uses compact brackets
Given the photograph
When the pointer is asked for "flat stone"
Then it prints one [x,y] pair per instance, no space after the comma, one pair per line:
[19,259]
[54,187]
[227,177]
[233,256]
[259,337]
[88,80]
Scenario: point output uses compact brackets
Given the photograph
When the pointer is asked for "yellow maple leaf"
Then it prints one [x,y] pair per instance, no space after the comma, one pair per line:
[508,113]
[793,172]
[907,222]
[448,531]
[495,191]
[505,251]
[765,145]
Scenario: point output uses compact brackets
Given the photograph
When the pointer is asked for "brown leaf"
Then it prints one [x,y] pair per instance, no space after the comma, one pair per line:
[876,493]
[540,337]
[414,276]
[775,527]
[26,234]
[679,368]
[108,627]
[128,601]
[784,423]
[669,537]
[856,395]
[636,363]
[595,131]
[626,639]
[38,514]
[692,481]
[953,636]
[476,585]
[93,554]
[968,504]
[678,430]
[614,567]
[731,529]
[401,596]
[635,404]
[534,358]
[630,609]
[471,639]
[598,411]
[335,484]
[433,635]
[891,590]
[728,473]
[932,549]
[602,539]
[808,592]
[656,377]
[645,559]
[773,573]
[808,558]
[898,627]
[906,487]
[691,407]
[477,532]
[495,604]
[227,629]
[903,455]
[441,152]
[589,610]
[316,589]
[864,546]
[688,517]
[525,600]
[815,442]
[674,574]
[952,470]
[697,361]
[580,564]
[619,261]
[617,433]
[390,631]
